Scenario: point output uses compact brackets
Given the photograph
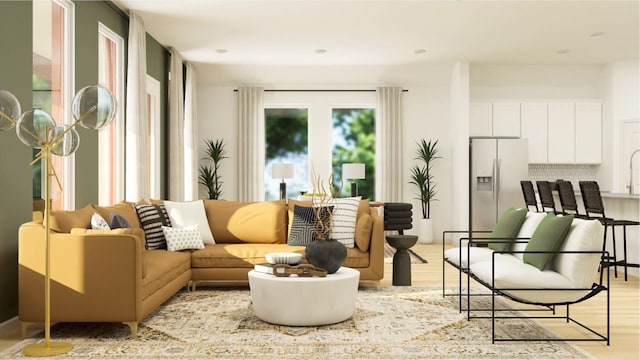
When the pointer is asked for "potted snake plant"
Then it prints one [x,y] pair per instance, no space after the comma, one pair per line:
[422,178]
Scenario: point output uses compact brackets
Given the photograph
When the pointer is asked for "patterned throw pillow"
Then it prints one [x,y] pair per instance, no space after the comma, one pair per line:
[302,227]
[344,218]
[152,218]
[117,221]
[183,238]
[98,222]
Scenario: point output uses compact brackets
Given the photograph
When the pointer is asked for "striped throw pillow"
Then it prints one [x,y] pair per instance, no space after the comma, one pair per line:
[152,218]
[345,214]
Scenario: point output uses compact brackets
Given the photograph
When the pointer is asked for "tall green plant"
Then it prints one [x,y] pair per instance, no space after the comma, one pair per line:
[422,175]
[209,175]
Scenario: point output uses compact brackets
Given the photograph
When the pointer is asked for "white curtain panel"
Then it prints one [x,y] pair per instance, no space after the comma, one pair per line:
[389,168]
[176,131]
[136,138]
[251,144]
[190,135]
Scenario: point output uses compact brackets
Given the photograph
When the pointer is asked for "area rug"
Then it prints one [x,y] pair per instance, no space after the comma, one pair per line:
[389,323]
[389,251]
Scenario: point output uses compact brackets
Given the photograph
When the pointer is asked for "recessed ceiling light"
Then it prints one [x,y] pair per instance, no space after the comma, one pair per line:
[221,51]
[562,51]
[596,33]
[419,51]
[320,51]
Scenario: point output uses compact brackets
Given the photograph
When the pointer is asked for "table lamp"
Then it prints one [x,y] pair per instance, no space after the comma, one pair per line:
[353,171]
[282,171]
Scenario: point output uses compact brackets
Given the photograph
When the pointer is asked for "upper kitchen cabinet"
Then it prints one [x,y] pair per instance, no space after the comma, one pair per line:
[561,133]
[533,120]
[494,119]
[588,132]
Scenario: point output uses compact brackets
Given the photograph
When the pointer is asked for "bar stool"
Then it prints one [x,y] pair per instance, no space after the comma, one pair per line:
[398,216]
[568,199]
[529,194]
[593,205]
[546,197]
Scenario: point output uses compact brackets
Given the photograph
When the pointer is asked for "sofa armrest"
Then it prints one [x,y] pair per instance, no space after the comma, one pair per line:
[376,247]
[94,277]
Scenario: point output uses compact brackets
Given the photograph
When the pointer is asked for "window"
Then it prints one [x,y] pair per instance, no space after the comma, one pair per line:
[53,87]
[111,138]
[286,132]
[338,127]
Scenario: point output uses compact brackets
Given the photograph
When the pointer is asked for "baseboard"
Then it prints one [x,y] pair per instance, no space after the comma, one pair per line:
[9,326]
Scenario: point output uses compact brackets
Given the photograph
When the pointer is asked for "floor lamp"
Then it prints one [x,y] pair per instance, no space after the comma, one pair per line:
[353,171]
[282,171]
[93,107]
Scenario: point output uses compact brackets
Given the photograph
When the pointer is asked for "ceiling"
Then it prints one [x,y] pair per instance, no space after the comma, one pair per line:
[216,33]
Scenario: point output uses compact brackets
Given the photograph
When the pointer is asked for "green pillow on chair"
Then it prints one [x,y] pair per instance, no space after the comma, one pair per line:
[548,236]
[507,227]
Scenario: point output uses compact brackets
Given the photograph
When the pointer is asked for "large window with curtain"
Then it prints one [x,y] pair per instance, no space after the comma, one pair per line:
[318,132]
[53,87]
[111,138]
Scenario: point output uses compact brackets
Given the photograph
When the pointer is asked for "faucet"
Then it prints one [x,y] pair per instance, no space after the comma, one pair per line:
[631,171]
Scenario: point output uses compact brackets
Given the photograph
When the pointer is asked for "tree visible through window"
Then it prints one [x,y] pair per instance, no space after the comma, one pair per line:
[354,141]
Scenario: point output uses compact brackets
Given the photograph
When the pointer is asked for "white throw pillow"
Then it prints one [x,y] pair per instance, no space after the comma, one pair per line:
[184,214]
[345,214]
[183,238]
[98,222]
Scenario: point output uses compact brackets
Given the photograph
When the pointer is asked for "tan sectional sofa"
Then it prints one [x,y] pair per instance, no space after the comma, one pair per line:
[109,275]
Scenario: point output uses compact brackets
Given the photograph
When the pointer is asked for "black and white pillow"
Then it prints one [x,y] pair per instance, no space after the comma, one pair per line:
[302,226]
[183,238]
[343,221]
[152,218]
[98,222]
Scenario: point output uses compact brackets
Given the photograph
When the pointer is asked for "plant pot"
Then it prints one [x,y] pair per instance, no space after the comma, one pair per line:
[425,231]
[326,254]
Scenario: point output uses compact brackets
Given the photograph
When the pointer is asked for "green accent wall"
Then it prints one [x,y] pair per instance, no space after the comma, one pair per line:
[16,40]
[15,173]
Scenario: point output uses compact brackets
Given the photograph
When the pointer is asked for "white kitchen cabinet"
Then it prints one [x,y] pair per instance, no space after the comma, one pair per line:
[588,123]
[533,126]
[480,119]
[506,119]
[561,132]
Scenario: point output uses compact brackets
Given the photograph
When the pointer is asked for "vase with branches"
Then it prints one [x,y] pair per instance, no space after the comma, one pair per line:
[210,173]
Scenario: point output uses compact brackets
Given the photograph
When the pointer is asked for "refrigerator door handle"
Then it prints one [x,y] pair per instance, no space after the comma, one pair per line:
[498,178]
[494,188]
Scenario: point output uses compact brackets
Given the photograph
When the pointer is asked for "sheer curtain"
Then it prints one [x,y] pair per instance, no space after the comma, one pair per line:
[389,168]
[190,136]
[176,131]
[251,144]
[136,163]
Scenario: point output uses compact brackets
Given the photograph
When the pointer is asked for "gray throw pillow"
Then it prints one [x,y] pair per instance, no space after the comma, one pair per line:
[302,226]
[117,221]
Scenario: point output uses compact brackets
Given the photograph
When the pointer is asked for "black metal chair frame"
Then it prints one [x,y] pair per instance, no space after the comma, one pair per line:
[593,205]
[529,194]
[593,290]
[546,196]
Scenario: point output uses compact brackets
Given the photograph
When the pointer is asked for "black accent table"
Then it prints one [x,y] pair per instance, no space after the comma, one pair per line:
[401,259]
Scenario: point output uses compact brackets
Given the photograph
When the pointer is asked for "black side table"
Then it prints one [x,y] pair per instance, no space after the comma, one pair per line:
[401,259]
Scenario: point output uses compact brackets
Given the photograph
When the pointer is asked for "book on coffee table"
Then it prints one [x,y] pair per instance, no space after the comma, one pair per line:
[265,268]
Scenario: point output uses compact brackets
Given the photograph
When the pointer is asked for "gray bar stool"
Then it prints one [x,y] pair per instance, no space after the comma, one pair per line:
[398,216]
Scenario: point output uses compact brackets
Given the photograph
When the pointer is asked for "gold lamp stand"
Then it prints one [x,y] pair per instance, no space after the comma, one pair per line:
[47,347]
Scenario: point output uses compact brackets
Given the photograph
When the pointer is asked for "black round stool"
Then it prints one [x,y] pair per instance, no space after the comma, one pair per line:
[401,259]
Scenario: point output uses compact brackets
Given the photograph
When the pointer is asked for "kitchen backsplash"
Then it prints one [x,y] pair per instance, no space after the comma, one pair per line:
[553,172]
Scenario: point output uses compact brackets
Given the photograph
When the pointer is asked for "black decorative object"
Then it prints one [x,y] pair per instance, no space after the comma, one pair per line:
[327,254]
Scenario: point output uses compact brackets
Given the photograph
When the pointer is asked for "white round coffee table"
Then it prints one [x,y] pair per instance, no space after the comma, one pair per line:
[304,301]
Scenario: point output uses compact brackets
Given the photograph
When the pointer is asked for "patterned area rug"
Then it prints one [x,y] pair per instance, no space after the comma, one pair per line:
[389,323]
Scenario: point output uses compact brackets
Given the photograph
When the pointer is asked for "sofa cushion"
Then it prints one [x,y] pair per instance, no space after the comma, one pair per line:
[64,221]
[160,267]
[507,227]
[237,255]
[189,213]
[98,222]
[117,221]
[183,238]
[363,232]
[125,209]
[549,236]
[234,222]
[152,219]
[304,229]
[343,219]
[581,269]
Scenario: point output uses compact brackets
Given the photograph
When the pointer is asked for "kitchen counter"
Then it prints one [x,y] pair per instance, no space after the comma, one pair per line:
[620,195]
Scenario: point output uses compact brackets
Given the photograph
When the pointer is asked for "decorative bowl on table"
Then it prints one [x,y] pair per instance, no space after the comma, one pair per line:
[283,258]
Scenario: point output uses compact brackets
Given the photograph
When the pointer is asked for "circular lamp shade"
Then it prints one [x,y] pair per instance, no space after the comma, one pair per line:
[64,141]
[282,171]
[34,128]
[353,171]
[94,106]
[10,107]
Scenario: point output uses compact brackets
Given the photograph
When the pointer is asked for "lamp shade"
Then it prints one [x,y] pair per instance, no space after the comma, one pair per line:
[353,171]
[282,171]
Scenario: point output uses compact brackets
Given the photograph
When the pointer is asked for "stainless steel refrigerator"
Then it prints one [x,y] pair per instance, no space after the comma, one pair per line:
[496,167]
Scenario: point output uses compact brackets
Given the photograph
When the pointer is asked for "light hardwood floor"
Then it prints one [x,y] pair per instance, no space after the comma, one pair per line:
[625,297]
